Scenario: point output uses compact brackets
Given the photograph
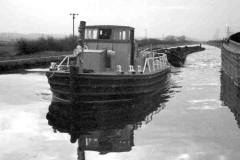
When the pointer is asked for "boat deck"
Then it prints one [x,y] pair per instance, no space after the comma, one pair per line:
[147,72]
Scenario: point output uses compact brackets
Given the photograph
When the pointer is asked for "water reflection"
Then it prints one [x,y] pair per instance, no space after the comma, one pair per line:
[230,95]
[105,127]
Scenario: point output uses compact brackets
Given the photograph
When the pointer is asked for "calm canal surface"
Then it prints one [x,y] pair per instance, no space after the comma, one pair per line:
[197,118]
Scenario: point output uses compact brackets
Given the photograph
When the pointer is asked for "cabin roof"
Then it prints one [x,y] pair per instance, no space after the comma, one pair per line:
[109,26]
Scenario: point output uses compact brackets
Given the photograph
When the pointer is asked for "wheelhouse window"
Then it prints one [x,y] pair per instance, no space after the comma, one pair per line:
[105,33]
[91,33]
[121,35]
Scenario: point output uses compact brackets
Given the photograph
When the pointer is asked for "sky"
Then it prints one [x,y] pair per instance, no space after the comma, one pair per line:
[200,19]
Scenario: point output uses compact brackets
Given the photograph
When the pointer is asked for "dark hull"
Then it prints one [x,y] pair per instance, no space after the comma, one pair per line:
[231,61]
[92,87]
[177,56]
[177,61]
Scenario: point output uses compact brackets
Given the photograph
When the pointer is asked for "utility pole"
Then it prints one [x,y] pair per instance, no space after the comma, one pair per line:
[229,32]
[146,33]
[216,35]
[73,15]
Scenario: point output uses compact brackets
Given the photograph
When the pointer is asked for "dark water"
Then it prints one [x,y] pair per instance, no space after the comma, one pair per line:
[196,118]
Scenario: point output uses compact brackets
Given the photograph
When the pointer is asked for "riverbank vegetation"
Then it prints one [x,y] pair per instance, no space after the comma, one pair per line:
[42,47]
[216,43]
[167,41]
[6,48]
[49,46]
[26,47]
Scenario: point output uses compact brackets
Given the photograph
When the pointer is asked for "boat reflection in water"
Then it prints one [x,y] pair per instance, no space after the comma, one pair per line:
[230,95]
[107,127]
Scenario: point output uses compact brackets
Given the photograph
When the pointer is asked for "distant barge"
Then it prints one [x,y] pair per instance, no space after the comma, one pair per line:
[177,55]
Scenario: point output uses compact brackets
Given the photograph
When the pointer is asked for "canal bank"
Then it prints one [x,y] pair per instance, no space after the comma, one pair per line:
[29,62]
[176,57]
[10,62]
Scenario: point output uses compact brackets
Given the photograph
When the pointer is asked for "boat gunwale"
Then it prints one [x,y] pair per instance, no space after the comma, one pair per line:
[103,76]
[226,47]
[234,42]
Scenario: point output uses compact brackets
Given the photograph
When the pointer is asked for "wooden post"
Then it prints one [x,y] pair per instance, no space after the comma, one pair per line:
[132,47]
[81,146]
[81,30]
[151,50]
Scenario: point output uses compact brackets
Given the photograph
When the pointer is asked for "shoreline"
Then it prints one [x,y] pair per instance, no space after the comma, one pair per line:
[35,55]
[38,59]
[29,61]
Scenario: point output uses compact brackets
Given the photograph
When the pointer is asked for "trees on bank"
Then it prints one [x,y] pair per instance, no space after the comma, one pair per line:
[25,47]
[168,40]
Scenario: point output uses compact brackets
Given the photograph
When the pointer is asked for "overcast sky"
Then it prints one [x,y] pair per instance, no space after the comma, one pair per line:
[194,18]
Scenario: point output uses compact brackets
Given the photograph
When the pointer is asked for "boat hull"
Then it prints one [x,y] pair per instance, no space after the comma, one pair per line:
[177,56]
[230,54]
[97,88]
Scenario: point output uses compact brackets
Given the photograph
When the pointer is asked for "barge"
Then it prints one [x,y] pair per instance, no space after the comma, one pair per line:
[177,55]
[104,68]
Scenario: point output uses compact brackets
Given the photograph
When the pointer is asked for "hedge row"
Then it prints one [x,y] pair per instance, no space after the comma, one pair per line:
[25,47]
[153,41]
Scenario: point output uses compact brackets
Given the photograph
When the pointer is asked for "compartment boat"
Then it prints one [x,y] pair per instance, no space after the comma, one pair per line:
[106,67]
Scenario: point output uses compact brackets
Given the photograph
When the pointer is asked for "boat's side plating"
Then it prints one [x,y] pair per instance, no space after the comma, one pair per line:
[231,60]
[97,87]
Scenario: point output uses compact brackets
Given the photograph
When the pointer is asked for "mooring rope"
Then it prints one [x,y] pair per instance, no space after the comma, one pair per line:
[51,75]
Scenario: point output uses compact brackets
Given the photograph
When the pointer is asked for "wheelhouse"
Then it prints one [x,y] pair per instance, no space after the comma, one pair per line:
[119,39]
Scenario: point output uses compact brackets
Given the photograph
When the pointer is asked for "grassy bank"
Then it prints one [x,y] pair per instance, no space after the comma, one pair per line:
[48,46]
[156,43]
[27,47]
[7,49]
[36,55]
[42,47]
[215,43]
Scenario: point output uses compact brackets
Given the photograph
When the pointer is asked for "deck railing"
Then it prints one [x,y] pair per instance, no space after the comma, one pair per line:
[156,62]
[67,65]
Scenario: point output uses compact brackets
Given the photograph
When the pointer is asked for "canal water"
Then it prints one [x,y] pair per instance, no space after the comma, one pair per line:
[196,118]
